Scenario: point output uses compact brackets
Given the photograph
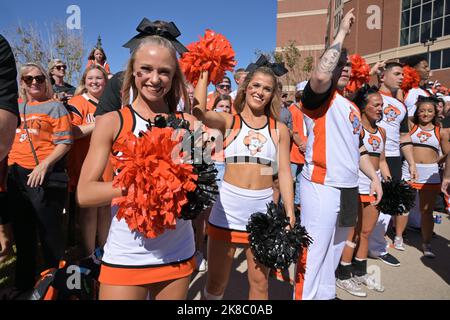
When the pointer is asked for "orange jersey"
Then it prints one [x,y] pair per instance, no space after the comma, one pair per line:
[48,124]
[82,113]
[297,126]
[105,65]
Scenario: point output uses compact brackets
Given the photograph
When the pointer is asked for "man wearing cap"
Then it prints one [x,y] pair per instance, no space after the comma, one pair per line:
[222,88]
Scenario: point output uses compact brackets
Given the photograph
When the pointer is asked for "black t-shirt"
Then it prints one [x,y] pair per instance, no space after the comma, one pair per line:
[311,100]
[446,122]
[111,99]
[66,88]
[8,79]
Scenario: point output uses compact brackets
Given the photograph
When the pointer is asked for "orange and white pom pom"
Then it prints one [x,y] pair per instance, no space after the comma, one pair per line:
[411,78]
[360,73]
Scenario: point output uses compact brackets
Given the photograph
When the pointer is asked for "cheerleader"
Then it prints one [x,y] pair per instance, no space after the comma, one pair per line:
[98,57]
[351,273]
[254,142]
[429,142]
[134,266]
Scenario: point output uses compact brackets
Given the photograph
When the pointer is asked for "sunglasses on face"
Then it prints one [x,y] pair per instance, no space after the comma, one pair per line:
[61,67]
[284,95]
[29,79]
[224,86]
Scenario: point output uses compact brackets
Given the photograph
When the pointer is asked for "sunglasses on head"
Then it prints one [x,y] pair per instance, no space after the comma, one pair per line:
[224,86]
[61,67]
[29,79]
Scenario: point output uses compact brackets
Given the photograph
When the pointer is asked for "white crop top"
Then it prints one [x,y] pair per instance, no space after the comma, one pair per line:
[244,144]
[426,138]
[374,142]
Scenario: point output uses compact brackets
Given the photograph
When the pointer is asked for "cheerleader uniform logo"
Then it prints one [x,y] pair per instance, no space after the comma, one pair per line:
[254,141]
[375,142]
[356,123]
[391,113]
[423,136]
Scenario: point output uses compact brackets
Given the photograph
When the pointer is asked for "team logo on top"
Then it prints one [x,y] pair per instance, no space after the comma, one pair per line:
[423,136]
[391,113]
[375,142]
[356,123]
[254,142]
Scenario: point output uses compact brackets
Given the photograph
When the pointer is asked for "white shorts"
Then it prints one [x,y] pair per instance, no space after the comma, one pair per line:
[235,205]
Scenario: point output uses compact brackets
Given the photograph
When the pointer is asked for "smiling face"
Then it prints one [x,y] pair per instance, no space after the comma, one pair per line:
[426,113]
[153,69]
[374,108]
[35,89]
[95,82]
[259,91]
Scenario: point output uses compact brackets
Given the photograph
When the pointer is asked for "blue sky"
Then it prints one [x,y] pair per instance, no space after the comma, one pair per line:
[248,24]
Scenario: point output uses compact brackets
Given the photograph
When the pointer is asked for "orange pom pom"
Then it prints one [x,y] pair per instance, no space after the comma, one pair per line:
[157,184]
[411,78]
[360,73]
[212,53]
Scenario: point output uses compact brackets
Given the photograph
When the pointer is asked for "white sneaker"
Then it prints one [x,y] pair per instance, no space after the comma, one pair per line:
[201,264]
[398,244]
[370,282]
[351,286]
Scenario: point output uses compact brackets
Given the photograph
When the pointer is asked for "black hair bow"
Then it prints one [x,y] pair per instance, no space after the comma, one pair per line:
[167,30]
[277,68]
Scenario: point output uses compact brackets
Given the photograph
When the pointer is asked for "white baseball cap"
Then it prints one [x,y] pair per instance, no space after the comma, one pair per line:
[301,86]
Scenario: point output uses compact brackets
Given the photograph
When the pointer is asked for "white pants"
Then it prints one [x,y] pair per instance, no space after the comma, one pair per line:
[377,241]
[315,278]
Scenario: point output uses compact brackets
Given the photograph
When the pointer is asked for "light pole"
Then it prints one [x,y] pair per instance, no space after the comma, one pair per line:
[427,43]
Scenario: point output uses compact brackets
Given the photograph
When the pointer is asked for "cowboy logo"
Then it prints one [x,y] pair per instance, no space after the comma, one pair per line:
[254,142]
[375,142]
[391,113]
[356,123]
[423,136]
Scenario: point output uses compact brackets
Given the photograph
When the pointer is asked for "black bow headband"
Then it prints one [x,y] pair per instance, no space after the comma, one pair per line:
[167,30]
[277,68]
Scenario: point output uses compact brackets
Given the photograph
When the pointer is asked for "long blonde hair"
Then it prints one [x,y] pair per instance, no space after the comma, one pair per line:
[82,86]
[272,109]
[25,69]
[177,89]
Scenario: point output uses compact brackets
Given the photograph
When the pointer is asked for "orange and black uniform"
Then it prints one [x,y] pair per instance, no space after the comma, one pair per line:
[36,210]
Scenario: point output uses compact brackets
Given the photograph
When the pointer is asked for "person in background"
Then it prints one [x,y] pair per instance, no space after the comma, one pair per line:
[98,57]
[184,107]
[93,222]
[239,77]
[224,87]
[57,70]
[35,201]
[9,120]
[419,63]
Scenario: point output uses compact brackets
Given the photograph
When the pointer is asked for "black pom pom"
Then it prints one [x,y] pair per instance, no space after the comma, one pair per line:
[160,121]
[272,244]
[398,197]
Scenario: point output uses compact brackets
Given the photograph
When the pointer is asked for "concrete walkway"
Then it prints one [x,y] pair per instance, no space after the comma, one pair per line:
[416,278]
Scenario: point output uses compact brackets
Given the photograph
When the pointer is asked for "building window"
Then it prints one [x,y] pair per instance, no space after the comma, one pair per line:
[439,59]
[424,19]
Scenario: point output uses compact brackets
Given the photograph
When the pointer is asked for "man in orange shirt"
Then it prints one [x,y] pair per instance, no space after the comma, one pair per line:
[299,138]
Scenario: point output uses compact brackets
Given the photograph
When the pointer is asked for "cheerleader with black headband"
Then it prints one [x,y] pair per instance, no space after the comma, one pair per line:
[255,144]
[350,273]
[430,148]
[139,261]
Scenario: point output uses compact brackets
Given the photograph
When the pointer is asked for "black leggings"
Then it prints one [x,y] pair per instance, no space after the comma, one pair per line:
[34,211]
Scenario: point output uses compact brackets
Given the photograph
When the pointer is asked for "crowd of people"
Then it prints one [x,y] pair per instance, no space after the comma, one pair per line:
[324,154]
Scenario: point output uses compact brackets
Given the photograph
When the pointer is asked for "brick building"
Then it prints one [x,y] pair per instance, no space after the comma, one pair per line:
[385,29]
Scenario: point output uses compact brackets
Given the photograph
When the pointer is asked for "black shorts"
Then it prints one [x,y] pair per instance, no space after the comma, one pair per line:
[395,167]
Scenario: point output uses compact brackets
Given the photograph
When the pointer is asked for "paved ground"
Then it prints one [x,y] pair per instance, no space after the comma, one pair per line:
[416,278]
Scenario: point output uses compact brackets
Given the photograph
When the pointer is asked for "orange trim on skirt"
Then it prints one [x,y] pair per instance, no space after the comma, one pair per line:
[227,235]
[123,276]
[426,186]
[365,198]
